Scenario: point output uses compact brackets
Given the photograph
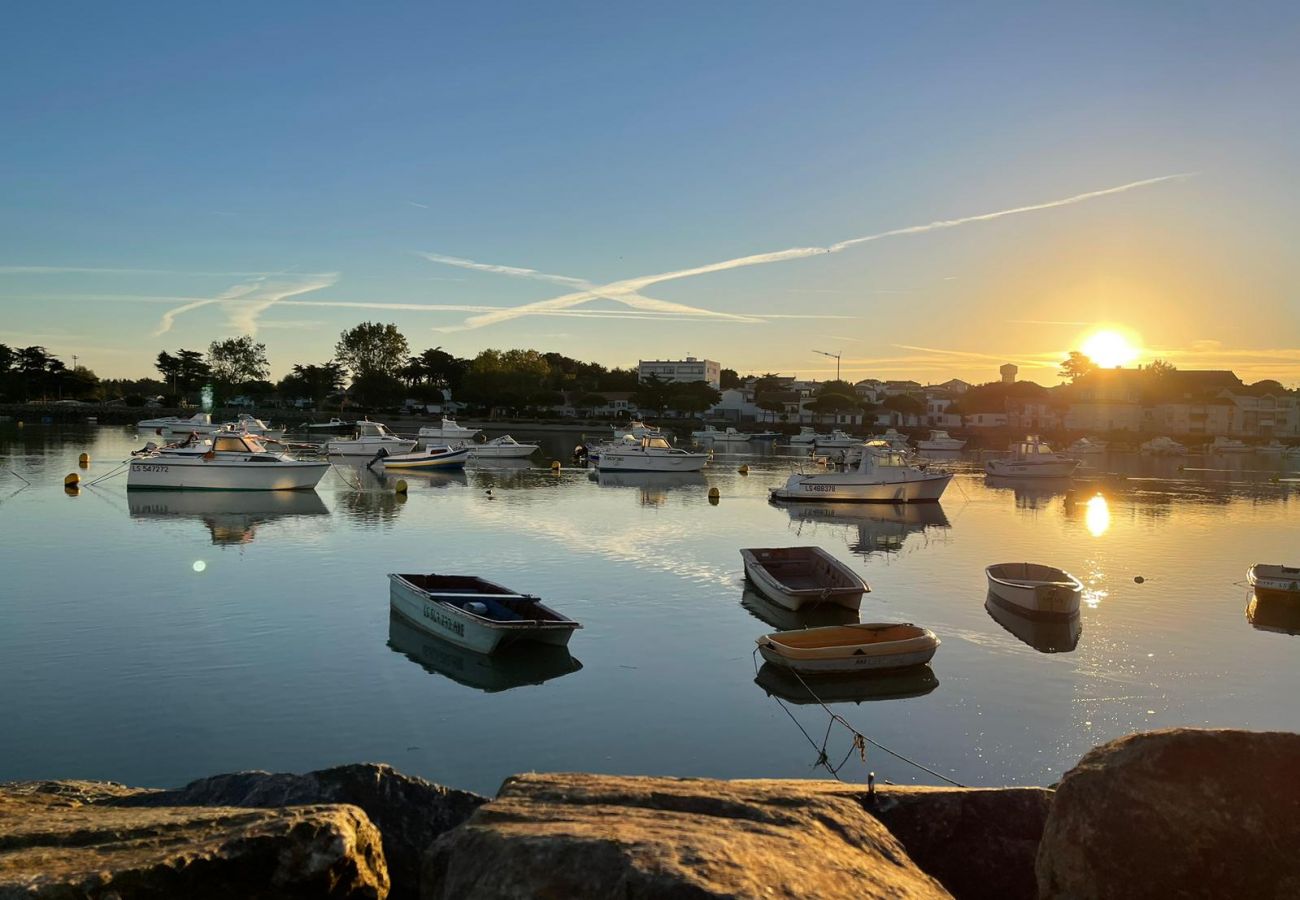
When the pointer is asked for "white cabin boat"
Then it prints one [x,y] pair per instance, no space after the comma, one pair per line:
[475,613]
[1162,446]
[894,439]
[1034,590]
[368,439]
[793,577]
[248,424]
[806,435]
[940,440]
[1274,581]
[229,462]
[1087,445]
[836,440]
[883,475]
[504,447]
[1032,458]
[1223,444]
[730,435]
[650,454]
[865,647]
[448,430]
[430,459]
[199,423]
[636,428]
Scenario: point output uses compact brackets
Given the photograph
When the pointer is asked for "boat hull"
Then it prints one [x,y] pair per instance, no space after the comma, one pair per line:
[842,488]
[1056,601]
[1274,582]
[940,445]
[201,475]
[794,599]
[520,451]
[901,654]
[620,461]
[426,463]
[1006,468]
[453,624]
[368,448]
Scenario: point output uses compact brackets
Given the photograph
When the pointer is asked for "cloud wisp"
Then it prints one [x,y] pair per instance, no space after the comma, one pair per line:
[244,303]
[628,291]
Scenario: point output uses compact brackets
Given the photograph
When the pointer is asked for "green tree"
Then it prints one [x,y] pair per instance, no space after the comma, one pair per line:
[371,349]
[905,404]
[771,405]
[1161,367]
[653,393]
[81,383]
[236,361]
[693,397]
[729,378]
[768,383]
[1077,366]
[169,367]
[587,403]
[506,378]
[192,371]
[314,382]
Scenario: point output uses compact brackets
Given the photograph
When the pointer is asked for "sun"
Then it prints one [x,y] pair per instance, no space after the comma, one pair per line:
[1109,349]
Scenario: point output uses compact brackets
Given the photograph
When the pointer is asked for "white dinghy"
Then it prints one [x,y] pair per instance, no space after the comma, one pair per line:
[1274,581]
[476,613]
[793,577]
[1034,590]
[883,475]
[866,647]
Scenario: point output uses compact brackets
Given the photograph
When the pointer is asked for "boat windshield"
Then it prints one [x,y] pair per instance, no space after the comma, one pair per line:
[655,443]
[235,444]
[372,429]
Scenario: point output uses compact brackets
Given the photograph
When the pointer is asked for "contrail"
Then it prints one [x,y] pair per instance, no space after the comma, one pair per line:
[628,290]
[244,303]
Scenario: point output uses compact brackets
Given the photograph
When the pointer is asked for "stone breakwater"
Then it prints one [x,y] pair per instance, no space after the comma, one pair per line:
[1185,813]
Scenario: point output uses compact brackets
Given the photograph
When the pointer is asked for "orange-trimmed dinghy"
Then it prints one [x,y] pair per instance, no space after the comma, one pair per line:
[869,646]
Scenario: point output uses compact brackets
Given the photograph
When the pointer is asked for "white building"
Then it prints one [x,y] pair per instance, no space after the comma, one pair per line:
[688,369]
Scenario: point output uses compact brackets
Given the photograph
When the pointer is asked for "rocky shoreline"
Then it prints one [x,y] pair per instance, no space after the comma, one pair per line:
[1183,812]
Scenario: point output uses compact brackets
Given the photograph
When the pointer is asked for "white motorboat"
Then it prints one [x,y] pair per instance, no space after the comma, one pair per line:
[636,428]
[1223,444]
[1031,458]
[883,475]
[334,424]
[1274,581]
[248,424]
[940,440]
[199,423]
[504,447]
[1272,448]
[475,613]
[866,647]
[894,439]
[806,435]
[1087,445]
[793,577]
[1162,446]
[368,439]
[1034,590]
[650,454]
[448,430]
[730,435]
[430,459]
[229,462]
[836,440]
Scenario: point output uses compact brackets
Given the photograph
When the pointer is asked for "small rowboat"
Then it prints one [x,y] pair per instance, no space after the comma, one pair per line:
[866,647]
[1034,590]
[792,577]
[475,613]
[427,460]
[1280,582]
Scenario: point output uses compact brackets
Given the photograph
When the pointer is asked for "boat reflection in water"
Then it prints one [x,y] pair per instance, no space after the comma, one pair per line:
[231,517]
[1044,635]
[1281,614]
[522,664]
[899,684]
[811,615]
[1031,493]
[654,486]
[880,528]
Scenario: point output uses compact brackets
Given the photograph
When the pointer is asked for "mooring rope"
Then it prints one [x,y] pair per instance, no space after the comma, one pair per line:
[116,471]
[860,740]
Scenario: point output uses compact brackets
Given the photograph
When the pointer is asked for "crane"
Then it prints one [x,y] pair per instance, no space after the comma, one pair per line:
[834,356]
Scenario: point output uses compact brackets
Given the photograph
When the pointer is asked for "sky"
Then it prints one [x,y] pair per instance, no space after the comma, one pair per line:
[930,190]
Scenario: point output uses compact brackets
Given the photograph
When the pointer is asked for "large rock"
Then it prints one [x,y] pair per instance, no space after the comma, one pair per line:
[1179,813]
[55,845]
[559,836]
[409,812]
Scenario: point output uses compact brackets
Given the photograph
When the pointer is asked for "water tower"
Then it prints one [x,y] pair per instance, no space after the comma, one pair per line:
[1009,371]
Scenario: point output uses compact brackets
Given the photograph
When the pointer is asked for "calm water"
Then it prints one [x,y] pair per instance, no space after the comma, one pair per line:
[153,638]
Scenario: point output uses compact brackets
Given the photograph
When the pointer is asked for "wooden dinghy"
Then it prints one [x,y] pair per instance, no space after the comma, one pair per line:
[1034,590]
[793,577]
[866,647]
[476,613]
[1274,581]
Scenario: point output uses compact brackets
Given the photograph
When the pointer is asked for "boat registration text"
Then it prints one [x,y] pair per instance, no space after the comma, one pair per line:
[148,467]
[433,614]
[819,488]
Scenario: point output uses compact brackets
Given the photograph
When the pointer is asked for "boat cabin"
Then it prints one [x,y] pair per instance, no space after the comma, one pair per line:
[880,455]
[367,429]
[1030,446]
[237,443]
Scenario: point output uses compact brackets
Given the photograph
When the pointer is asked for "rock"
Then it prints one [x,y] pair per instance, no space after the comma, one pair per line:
[978,842]
[409,812]
[55,846]
[1177,813]
[629,837]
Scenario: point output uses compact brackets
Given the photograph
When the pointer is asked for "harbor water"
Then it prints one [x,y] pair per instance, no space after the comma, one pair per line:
[154,637]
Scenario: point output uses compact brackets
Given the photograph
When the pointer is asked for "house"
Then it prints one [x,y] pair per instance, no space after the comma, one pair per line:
[677,370]
[986,420]
[955,386]
[894,388]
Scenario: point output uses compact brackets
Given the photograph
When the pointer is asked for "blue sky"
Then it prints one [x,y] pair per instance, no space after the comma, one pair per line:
[242,165]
